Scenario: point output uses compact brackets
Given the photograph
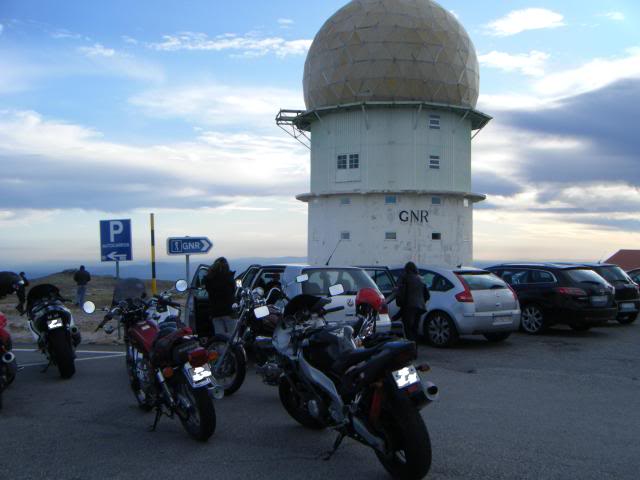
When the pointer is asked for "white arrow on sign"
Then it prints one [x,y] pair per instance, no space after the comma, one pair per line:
[116,257]
[206,244]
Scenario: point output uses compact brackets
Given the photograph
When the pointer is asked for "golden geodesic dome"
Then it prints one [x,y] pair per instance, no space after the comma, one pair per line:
[391,50]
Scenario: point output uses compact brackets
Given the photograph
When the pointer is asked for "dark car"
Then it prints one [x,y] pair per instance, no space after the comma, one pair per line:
[635,275]
[627,291]
[552,293]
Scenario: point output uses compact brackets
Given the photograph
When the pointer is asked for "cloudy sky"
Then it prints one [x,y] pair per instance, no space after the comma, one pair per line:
[116,109]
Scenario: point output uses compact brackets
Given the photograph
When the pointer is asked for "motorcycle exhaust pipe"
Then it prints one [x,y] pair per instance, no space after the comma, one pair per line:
[8,358]
[432,391]
[216,391]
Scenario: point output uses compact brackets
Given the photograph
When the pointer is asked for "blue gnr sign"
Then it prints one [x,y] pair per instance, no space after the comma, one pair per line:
[188,246]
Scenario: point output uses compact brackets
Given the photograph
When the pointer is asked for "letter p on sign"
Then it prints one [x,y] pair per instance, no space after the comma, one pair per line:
[115,228]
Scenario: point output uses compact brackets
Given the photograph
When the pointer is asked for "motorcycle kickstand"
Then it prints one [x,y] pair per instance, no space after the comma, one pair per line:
[156,420]
[327,456]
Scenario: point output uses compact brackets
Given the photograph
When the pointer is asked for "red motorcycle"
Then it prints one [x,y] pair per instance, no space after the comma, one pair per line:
[168,370]
[8,364]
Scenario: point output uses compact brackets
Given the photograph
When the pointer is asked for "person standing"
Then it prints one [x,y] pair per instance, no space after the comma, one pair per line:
[82,277]
[20,292]
[412,297]
[220,286]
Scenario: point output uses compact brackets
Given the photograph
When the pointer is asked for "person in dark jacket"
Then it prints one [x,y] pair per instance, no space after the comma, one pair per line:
[9,283]
[81,277]
[20,292]
[220,286]
[412,298]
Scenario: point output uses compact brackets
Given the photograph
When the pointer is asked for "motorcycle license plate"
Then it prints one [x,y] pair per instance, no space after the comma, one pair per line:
[54,323]
[406,377]
[199,375]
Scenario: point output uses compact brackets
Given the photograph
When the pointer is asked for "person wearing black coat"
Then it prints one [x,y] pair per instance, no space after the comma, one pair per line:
[21,292]
[220,286]
[9,283]
[412,297]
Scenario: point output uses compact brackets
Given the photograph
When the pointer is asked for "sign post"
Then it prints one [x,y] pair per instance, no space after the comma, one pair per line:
[188,246]
[154,285]
[115,242]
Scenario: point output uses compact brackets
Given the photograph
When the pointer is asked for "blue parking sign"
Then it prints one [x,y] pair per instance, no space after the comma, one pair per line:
[115,241]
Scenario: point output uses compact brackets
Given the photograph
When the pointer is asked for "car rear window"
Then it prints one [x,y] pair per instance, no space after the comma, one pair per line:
[585,276]
[320,280]
[613,274]
[482,281]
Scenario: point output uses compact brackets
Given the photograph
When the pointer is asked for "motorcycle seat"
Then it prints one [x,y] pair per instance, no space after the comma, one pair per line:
[348,359]
[167,328]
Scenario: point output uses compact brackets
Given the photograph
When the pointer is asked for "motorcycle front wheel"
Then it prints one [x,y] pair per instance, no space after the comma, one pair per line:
[61,351]
[230,374]
[407,439]
[200,418]
[296,406]
[145,402]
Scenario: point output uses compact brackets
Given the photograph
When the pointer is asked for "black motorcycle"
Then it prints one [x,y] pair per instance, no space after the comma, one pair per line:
[53,327]
[372,394]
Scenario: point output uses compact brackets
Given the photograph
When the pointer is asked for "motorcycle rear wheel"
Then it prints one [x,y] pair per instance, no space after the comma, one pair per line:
[235,366]
[295,406]
[200,423]
[62,352]
[407,439]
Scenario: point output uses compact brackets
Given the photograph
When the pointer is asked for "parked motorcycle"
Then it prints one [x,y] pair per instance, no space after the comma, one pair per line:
[252,333]
[161,308]
[8,364]
[53,328]
[372,394]
[168,370]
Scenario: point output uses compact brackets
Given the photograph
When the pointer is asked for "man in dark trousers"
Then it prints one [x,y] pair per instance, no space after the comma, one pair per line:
[412,298]
[81,277]
[20,292]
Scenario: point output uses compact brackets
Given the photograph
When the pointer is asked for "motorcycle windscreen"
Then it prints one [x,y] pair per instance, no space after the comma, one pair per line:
[128,289]
[46,291]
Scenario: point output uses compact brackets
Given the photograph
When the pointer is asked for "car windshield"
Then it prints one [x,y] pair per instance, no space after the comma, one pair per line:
[482,281]
[128,289]
[613,274]
[352,280]
[585,276]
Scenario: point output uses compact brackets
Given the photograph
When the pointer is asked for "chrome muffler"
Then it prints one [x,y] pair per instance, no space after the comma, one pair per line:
[432,391]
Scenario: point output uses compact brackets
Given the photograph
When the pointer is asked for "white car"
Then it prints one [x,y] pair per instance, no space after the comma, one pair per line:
[466,301]
[322,278]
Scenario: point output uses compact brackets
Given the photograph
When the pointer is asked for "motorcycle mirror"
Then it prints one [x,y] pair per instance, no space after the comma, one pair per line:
[239,283]
[182,286]
[261,312]
[89,307]
[302,278]
[108,329]
[336,290]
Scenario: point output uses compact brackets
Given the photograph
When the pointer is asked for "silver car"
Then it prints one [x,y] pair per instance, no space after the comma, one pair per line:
[466,301]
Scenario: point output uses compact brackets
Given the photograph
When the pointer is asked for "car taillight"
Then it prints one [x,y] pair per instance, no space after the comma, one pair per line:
[571,291]
[198,357]
[466,296]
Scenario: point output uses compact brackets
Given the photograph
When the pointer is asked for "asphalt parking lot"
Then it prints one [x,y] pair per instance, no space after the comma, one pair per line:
[561,405]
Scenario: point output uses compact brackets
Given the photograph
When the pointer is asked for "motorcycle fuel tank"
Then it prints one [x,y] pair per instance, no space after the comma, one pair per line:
[144,333]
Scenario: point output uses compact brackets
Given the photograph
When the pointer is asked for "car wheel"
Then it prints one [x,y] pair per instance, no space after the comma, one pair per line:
[532,319]
[441,331]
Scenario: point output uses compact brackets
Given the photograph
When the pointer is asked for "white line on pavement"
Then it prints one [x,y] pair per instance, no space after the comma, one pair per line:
[102,357]
[34,350]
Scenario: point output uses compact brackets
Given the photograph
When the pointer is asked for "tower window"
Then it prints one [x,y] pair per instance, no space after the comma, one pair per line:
[391,236]
[354,161]
[465,202]
[436,201]
[345,201]
[434,162]
[436,236]
[342,162]
[390,199]
[434,122]
[345,236]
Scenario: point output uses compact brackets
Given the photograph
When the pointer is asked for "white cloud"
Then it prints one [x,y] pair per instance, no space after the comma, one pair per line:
[64,34]
[617,16]
[531,64]
[519,21]
[215,104]
[129,40]
[1,28]
[249,45]
[285,22]
[593,75]
[97,50]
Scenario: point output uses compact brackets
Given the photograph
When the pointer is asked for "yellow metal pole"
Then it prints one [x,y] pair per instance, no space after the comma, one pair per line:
[154,286]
